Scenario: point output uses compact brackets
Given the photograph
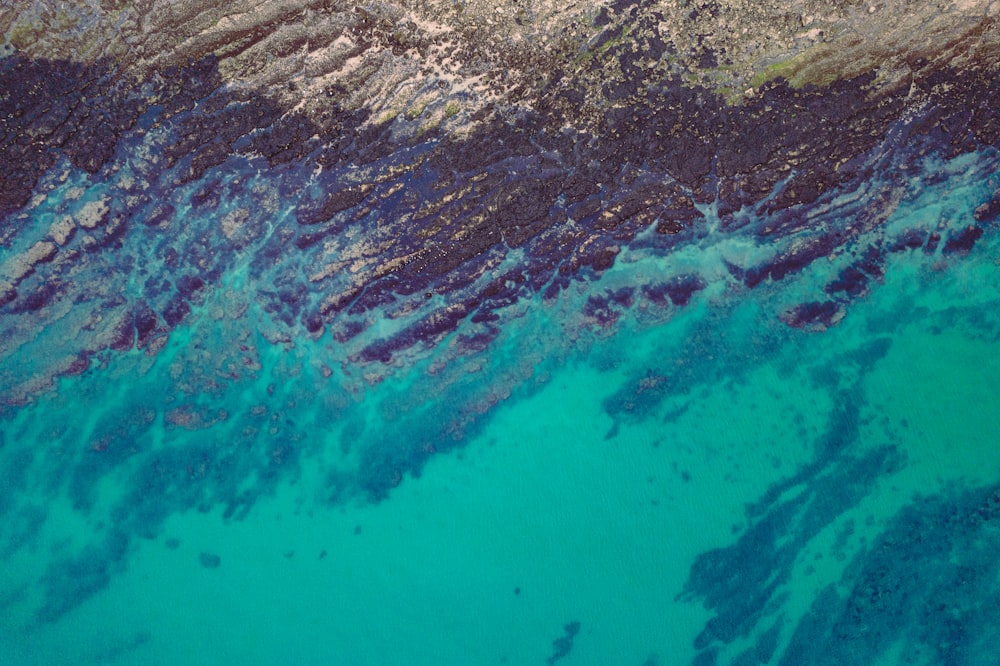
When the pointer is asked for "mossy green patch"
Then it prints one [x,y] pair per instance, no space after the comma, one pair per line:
[603,49]
[24,35]
[414,111]
[783,69]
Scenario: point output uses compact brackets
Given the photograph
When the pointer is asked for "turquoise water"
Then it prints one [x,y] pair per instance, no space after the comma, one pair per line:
[683,485]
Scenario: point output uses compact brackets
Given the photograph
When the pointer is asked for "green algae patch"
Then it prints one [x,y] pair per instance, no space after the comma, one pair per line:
[600,51]
[23,35]
[415,111]
[819,66]
[783,69]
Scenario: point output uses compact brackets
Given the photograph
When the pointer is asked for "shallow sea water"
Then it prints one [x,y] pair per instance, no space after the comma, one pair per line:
[604,486]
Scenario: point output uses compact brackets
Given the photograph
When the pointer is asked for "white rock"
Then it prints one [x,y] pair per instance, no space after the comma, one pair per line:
[92,214]
[62,230]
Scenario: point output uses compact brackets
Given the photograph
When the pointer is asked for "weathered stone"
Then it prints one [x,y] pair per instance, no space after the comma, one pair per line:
[20,266]
[990,210]
[62,231]
[816,316]
[333,203]
[7,292]
[961,241]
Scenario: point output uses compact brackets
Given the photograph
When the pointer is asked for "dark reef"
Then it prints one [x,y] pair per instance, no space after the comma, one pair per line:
[210,560]
[562,646]
[928,582]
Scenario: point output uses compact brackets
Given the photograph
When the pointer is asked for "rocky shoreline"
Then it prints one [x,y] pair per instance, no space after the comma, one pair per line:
[461,199]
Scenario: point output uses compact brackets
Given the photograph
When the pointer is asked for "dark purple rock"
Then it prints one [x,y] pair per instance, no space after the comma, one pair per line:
[171,258]
[503,291]
[156,285]
[382,350]
[607,309]
[484,316]
[479,341]
[207,196]
[910,239]
[599,256]
[145,323]
[175,312]
[521,208]
[377,295]
[428,330]
[932,242]
[851,281]
[585,210]
[113,232]
[7,294]
[304,241]
[333,203]
[990,210]
[815,315]
[347,330]
[188,285]
[313,322]
[123,336]
[38,298]
[962,241]
[183,86]
[210,155]
[601,311]
[791,262]
[581,185]
[290,137]
[39,111]
[872,261]
[79,365]
[158,215]
[437,324]
[623,296]
[679,289]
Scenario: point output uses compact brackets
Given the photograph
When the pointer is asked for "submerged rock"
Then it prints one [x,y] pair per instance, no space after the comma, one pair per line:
[210,560]
[561,647]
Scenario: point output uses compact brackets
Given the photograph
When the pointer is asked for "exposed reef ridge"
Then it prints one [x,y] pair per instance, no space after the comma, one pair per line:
[383,53]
